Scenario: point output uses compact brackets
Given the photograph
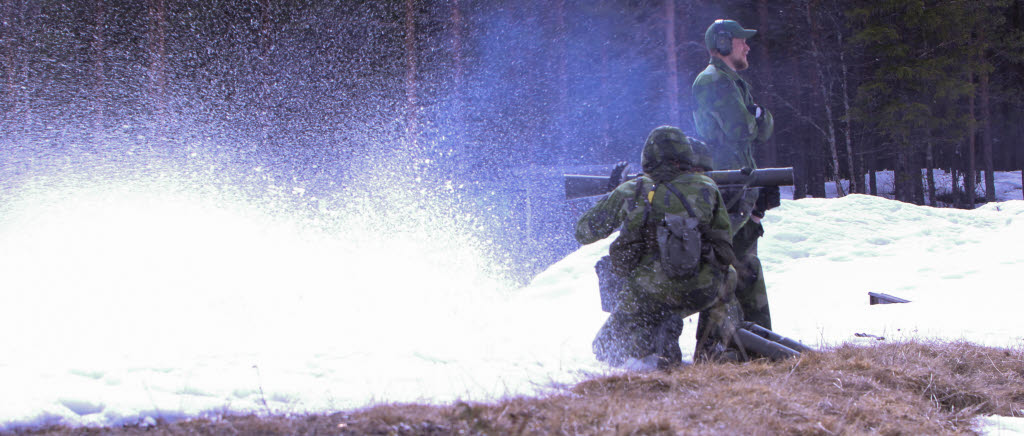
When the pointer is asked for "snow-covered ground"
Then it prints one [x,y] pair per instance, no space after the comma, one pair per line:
[126,304]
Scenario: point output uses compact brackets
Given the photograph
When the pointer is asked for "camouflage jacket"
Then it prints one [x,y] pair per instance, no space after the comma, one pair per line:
[616,210]
[725,116]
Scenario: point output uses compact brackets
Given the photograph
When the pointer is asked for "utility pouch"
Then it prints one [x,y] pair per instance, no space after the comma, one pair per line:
[629,247]
[679,246]
[609,284]
[679,240]
[718,248]
[625,252]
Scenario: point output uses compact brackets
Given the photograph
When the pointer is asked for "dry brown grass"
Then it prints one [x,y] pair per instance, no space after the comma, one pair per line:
[888,389]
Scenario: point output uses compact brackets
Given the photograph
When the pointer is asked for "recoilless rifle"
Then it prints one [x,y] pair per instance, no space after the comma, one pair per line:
[580,186]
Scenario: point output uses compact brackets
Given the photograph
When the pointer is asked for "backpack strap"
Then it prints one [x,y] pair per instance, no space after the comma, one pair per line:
[638,196]
[637,193]
[706,230]
[682,199]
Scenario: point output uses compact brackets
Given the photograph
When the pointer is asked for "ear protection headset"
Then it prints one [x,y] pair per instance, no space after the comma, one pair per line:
[723,41]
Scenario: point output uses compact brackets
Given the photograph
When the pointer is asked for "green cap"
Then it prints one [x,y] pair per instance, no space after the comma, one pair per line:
[730,26]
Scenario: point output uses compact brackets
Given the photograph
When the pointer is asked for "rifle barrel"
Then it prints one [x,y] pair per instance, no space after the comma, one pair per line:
[579,186]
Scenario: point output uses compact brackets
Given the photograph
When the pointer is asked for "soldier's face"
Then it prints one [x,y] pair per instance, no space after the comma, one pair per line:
[738,57]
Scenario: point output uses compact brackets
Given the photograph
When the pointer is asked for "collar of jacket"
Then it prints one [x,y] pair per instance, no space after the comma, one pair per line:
[725,69]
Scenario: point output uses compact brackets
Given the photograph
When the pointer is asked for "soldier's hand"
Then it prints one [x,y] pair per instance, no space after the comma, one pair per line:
[769,198]
[616,177]
[756,111]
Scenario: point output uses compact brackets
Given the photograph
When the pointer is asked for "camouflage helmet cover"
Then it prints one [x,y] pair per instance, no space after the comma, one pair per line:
[702,154]
[666,144]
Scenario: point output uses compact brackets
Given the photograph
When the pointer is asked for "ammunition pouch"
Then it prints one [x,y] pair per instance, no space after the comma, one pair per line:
[609,283]
[679,245]
[718,249]
[679,240]
[630,246]
[626,251]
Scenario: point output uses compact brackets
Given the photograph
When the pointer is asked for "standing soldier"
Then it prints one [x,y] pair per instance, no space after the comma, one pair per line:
[729,120]
[673,252]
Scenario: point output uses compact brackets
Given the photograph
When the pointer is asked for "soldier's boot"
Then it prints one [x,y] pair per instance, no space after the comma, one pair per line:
[717,325]
[666,342]
[721,343]
[647,363]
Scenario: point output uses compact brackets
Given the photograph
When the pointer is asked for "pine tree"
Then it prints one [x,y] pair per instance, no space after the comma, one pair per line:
[917,68]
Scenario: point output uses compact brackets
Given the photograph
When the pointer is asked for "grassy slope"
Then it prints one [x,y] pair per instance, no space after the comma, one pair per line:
[904,388]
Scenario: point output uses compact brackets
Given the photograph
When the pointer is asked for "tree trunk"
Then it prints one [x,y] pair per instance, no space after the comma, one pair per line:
[801,175]
[462,158]
[986,137]
[915,178]
[99,98]
[265,103]
[673,63]
[606,121]
[826,102]
[411,100]
[562,107]
[157,40]
[856,179]
[872,177]
[899,175]
[767,152]
[799,149]
[15,64]
[457,37]
[1017,139]
[929,162]
[972,131]
[955,176]
[10,43]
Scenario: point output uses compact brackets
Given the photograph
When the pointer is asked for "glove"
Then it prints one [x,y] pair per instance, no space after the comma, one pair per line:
[765,125]
[756,111]
[616,177]
[769,198]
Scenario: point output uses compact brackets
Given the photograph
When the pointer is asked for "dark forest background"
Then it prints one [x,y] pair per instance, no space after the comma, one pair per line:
[487,102]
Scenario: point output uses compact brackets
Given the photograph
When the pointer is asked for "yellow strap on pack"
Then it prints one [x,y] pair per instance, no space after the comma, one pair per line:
[650,197]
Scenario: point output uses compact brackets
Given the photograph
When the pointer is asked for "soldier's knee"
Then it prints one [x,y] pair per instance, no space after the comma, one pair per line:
[727,284]
[749,272]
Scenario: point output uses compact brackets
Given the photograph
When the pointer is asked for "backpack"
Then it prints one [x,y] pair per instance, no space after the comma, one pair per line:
[677,238]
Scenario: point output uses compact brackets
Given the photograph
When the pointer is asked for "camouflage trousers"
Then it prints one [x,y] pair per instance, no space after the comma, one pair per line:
[640,329]
[750,293]
[750,288]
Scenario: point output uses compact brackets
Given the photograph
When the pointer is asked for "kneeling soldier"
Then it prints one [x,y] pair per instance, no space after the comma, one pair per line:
[673,251]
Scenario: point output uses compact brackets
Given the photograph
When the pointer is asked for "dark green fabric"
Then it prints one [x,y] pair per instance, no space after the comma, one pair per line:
[751,291]
[613,211]
[725,116]
[642,322]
